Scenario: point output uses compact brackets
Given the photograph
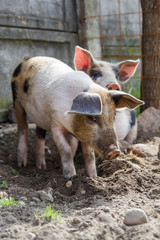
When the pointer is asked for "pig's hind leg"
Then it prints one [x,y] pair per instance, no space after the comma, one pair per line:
[65,150]
[21,118]
[40,148]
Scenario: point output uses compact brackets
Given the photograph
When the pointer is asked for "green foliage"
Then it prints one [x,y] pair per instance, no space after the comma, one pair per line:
[8,201]
[13,171]
[49,214]
[132,87]
[4,183]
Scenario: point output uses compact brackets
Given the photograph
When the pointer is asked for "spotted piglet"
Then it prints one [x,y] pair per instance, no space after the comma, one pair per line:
[109,75]
[70,105]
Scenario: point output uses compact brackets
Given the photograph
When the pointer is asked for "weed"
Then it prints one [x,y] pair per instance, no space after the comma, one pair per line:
[13,171]
[4,183]
[49,214]
[8,201]
[132,88]
[39,176]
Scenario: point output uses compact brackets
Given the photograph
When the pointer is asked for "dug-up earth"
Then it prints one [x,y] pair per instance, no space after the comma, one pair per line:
[91,208]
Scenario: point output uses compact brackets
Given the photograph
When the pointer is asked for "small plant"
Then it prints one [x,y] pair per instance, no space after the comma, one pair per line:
[130,87]
[3,184]
[39,176]
[13,171]
[8,201]
[49,214]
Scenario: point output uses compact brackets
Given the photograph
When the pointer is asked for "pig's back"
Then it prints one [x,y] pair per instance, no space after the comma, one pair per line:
[46,88]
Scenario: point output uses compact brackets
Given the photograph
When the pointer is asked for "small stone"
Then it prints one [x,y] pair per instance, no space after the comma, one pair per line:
[3,194]
[37,200]
[45,196]
[156,235]
[24,198]
[69,184]
[105,217]
[31,236]
[21,203]
[83,192]
[135,216]
[32,203]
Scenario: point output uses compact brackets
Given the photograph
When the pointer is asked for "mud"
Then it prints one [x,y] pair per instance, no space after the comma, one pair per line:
[92,208]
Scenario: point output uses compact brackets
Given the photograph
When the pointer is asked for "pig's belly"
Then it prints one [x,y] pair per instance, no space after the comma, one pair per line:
[39,117]
[122,123]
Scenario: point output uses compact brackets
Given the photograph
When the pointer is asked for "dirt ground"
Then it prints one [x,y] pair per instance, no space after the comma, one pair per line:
[92,208]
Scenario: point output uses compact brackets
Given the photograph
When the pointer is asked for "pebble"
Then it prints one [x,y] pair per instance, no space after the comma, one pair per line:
[69,184]
[22,203]
[31,236]
[45,196]
[32,203]
[135,216]
[105,217]
[3,194]
[83,192]
[37,200]
[24,198]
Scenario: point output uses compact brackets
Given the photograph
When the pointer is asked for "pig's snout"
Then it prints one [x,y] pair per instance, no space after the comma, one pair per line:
[113,86]
[113,152]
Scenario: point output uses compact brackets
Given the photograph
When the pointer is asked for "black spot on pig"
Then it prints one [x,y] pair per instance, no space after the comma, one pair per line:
[40,133]
[85,90]
[17,70]
[133,118]
[14,90]
[26,85]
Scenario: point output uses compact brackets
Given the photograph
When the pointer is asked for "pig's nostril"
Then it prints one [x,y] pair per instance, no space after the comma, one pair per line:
[113,86]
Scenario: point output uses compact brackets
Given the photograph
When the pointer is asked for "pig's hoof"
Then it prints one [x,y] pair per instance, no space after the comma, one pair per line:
[41,166]
[22,162]
[68,175]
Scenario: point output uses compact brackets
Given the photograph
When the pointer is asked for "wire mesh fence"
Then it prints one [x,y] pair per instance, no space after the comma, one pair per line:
[121,36]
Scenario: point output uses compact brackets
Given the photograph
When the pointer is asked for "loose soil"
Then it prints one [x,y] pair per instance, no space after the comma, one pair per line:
[92,208]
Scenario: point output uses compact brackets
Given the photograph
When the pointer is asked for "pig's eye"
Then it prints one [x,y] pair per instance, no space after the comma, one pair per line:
[95,74]
[93,119]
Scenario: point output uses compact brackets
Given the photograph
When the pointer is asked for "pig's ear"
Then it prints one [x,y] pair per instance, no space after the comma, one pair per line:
[86,103]
[122,99]
[125,70]
[82,59]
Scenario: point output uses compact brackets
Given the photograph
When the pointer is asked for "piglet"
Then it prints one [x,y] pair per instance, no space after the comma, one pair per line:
[110,76]
[70,105]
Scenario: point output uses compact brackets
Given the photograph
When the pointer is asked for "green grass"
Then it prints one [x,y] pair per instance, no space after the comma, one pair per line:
[7,201]
[3,184]
[49,214]
[133,86]
[13,171]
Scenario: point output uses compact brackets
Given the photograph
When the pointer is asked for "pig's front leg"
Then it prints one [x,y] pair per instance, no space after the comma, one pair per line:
[89,160]
[73,142]
[60,138]
[40,148]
